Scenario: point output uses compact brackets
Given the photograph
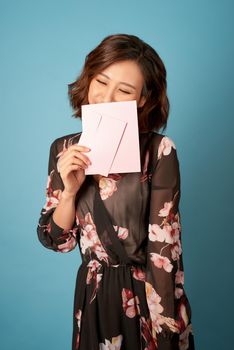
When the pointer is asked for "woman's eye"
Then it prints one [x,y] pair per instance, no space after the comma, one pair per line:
[101,82]
[125,92]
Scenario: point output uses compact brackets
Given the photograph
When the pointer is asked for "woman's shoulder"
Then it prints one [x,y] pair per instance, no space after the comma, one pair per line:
[63,142]
[159,140]
[159,145]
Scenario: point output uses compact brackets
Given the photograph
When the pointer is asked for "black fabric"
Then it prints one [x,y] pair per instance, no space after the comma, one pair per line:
[105,228]
[129,292]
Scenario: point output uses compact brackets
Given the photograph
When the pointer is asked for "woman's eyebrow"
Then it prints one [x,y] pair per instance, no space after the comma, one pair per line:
[121,82]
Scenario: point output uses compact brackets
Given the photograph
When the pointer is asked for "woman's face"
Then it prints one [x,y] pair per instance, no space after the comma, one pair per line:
[121,81]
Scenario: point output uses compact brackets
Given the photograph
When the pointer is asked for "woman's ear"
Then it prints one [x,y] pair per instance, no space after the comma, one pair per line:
[142,101]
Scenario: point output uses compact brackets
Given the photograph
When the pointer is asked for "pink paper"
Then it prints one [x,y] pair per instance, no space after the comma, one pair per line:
[111,131]
[103,143]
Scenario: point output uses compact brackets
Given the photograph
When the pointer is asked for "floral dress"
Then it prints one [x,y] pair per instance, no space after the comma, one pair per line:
[129,291]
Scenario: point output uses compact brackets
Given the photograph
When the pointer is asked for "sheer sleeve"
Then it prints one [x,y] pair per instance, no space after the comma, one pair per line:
[49,233]
[168,306]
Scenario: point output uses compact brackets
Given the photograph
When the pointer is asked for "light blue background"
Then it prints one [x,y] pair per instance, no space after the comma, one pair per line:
[43,46]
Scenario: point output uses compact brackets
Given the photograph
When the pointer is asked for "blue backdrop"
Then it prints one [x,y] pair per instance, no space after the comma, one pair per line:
[43,46]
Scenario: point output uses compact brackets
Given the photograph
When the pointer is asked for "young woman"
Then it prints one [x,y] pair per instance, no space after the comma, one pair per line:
[130,286]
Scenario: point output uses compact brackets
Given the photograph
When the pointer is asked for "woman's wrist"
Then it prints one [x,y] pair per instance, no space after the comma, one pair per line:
[68,195]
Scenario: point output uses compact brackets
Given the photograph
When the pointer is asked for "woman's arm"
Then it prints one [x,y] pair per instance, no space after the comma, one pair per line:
[58,225]
[64,214]
[169,308]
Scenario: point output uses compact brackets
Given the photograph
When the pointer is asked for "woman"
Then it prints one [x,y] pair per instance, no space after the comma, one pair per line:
[130,286]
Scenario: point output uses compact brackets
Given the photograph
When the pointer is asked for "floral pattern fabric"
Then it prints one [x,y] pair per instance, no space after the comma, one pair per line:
[130,286]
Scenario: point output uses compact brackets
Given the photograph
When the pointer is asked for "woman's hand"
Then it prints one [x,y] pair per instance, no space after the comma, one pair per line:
[71,166]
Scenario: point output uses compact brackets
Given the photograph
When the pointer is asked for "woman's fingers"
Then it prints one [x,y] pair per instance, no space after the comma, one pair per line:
[72,156]
[74,152]
[72,161]
[79,148]
[69,169]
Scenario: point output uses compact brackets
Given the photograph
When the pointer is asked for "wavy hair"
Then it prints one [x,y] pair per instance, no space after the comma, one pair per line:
[119,47]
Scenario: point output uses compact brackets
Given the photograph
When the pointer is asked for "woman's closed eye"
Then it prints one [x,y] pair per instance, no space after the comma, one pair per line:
[125,92]
[101,82]
[104,83]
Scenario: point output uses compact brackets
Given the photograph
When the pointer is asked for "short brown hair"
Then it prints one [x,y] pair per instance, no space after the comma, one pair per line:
[119,47]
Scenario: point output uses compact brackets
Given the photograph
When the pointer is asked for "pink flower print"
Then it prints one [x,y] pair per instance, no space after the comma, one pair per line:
[115,343]
[122,232]
[184,320]
[153,299]
[78,318]
[156,233]
[93,268]
[175,232]
[179,277]
[69,245]
[100,252]
[175,221]
[65,148]
[161,261]
[184,338]
[166,209]
[138,274]
[146,326]
[169,232]
[107,187]
[94,265]
[89,238]
[52,197]
[176,251]
[46,228]
[77,219]
[178,292]
[172,228]
[172,232]
[167,228]
[130,303]
[66,145]
[155,308]
[165,146]
[89,235]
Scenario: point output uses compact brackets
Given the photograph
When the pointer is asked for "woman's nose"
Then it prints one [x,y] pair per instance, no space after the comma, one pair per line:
[108,96]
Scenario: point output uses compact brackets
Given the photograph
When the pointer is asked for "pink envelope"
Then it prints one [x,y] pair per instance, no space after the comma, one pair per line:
[111,131]
[103,142]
